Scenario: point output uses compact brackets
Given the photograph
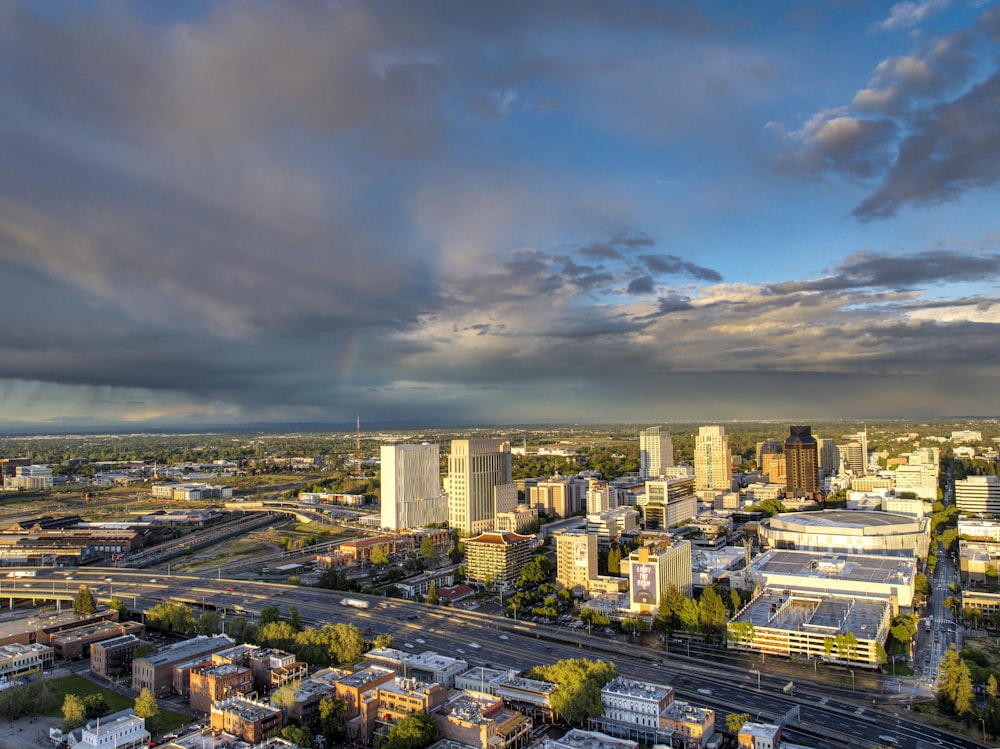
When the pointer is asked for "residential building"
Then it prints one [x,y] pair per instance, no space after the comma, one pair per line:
[218,681]
[111,659]
[611,524]
[398,699]
[245,719]
[497,557]
[801,463]
[656,452]
[713,462]
[480,720]
[978,495]
[411,487]
[651,568]
[528,696]
[478,484]
[576,560]
[601,496]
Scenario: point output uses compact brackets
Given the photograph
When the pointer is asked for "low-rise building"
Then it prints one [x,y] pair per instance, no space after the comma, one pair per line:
[579,739]
[76,643]
[156,672]
[245,718]
[112,659]
[213,682]
[427,666]
[692,724]
[759,736]
[123,730]
[528,696]
[17,660]
[480,720]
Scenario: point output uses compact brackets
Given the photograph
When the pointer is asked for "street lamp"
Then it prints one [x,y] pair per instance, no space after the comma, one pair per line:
[852,679]
[983,723]
[756,671]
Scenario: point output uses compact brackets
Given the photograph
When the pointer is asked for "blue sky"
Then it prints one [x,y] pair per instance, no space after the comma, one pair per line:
[247,212]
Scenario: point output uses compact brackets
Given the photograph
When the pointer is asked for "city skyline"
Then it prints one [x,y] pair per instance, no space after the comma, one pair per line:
[444,212]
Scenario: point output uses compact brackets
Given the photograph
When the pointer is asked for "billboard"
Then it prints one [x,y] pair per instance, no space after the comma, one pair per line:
[580,554]
[643,584]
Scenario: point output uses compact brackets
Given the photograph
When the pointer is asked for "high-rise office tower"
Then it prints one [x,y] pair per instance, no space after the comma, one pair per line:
[411,486]
[713,462]
[854,454]
[479,484]
[768,447]
[656,452]
[829,458]
[801,463]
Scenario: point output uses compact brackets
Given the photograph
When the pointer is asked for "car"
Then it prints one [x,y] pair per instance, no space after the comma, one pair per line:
[459,650]
[421,641]
[475,645]
[229,590]
[504,637]
[408,645]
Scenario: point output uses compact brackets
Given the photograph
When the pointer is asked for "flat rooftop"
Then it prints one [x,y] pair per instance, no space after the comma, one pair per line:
[639,689]
[844,519]
[862,568]
[578,739]
[816,612]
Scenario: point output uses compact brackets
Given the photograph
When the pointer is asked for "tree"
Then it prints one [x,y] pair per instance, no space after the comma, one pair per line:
[15,701]
[742,633]
[712,613]
[538,570]
[145,705]
[432,595]
[614,561]
[298,735]
[285,698]
[992,688]
[921,584]
[965,697]
[383,640]
[209,623]
[172,617]
[143,649]
[690,615]
[330,710]
[735,721]
[594,618]
[119,606]
[241,629]
[84,602]
[580,681]
[74,712]
[294,618]
[427,548]
[412,732]
[380,556]
[668,616]
[95,706]
[269,615]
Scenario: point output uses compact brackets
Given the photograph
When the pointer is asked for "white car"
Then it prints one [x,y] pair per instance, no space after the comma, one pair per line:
[475,645]
[408,645]
[504,637]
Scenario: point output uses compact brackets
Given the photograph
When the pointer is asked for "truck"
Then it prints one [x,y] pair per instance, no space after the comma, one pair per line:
[354,602]
[22,573]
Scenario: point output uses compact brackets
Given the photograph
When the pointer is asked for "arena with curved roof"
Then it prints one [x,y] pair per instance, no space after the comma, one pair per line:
[848,532]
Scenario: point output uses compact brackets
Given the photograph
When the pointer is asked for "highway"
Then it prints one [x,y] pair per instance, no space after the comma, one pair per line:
[835,713]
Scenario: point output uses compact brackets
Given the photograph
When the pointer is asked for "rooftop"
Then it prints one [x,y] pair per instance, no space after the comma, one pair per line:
[579,739]
[640,689]
[816,612]
[855,567]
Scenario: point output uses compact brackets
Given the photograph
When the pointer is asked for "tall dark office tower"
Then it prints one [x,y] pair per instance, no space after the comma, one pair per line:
[801,463]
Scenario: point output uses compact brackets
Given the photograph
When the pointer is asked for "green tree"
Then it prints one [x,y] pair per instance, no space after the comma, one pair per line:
[383,640]
[992,689]
[298,735]
[594,618]
[16,701]
[241,629]
[118,606]
[379,557]
[965,697]
[690,615]
[277,635]
[95,706]
[285,698]
[171,617]
[949,673]
[668,616]
[580,681]
[712,613]
[269,615]
[209,623]
[412,732]
[330,711]
[143,649]
[735,721]
[294,618]
[614,561]
[427,548]
[432,595]
[742,633]
[921,584]
[146,706]
[84,602]
[74,712]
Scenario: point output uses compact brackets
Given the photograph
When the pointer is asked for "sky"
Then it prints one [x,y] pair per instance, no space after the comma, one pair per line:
[444,212]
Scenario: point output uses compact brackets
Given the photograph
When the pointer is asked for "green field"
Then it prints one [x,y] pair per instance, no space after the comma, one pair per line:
[165,722]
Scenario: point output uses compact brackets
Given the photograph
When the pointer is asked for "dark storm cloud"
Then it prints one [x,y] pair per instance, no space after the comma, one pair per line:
[675,266]
[953,148]
[866,270]
[600,250]
[922,132]
[642,285]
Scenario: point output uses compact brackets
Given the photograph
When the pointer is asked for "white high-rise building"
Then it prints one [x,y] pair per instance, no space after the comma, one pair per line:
[656,452]
[920,474]
[411,486]
[479,484]
[713,461]
[978,495]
